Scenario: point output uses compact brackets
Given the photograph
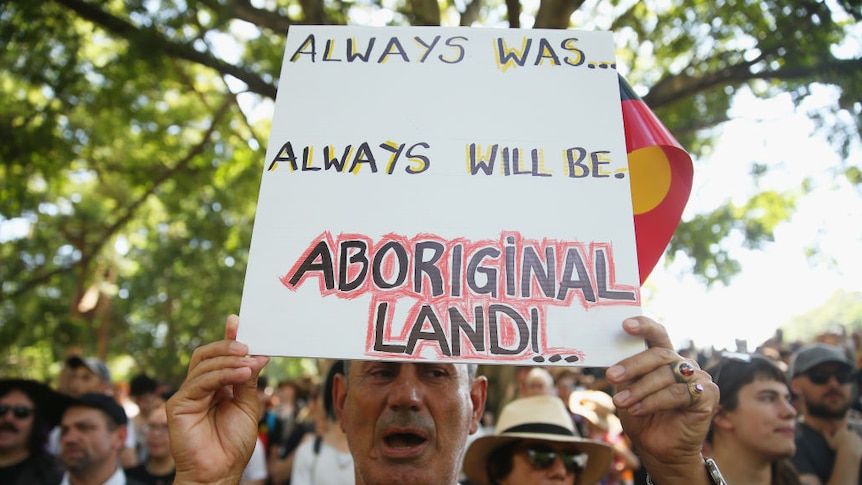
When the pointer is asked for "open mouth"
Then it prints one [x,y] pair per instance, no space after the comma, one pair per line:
[403,440]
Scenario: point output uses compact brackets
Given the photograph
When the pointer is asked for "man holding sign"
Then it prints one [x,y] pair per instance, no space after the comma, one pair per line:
[416,288]
[407,423]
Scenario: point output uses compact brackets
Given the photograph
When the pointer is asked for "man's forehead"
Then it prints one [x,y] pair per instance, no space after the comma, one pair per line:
[365,364]
[157,417]
[82,414]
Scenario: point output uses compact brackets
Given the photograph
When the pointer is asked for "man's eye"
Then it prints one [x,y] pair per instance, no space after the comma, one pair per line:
[436,372]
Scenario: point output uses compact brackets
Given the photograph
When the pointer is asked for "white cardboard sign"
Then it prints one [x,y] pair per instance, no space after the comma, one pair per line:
[444,194]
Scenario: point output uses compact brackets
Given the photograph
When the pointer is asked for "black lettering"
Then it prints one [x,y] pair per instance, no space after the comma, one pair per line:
[426,313]
[602,280]
[380,322]
[545,275]
[378,266]
[428,268]
[475,334]
[490,286]
[493,326]
[574,263]
[345,259]
[324,266]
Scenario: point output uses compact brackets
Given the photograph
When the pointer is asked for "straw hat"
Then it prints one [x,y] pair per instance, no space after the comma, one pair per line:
[542,418]
[598,408]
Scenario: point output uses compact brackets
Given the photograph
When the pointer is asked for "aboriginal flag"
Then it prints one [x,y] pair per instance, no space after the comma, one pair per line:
[661,177]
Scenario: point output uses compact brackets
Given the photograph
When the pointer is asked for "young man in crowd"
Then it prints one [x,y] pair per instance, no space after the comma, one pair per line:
[828,451]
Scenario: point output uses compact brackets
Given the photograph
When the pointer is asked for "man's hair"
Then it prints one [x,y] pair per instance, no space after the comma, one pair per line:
[141,385]
[733,373]
[40,429]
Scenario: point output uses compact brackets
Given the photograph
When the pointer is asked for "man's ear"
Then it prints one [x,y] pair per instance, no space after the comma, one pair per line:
[720,419]
[119,437]
[478,396]
[339,396]
[795,387]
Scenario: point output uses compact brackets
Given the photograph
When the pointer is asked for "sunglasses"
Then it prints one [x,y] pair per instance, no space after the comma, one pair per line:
[821,377]
[19,412]
[543,457]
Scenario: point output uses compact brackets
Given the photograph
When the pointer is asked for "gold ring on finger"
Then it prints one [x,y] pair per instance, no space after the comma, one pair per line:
[683,371]
[695,390]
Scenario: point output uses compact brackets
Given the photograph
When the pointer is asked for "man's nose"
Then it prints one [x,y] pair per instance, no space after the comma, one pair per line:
[558,470]
[407,390]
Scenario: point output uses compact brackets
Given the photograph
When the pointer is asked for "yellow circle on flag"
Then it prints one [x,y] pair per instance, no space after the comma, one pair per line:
[650,174]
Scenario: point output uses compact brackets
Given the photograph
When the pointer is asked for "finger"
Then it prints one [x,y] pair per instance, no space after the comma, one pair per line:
[216,349]
[212,375]
[693,395]
[630,369]
[246,392]
[231,327]
[653,333]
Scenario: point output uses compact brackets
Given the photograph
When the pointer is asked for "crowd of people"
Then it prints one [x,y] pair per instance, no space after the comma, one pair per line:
[782,415]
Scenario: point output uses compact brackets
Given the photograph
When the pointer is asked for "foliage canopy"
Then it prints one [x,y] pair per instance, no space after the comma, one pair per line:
[133,131]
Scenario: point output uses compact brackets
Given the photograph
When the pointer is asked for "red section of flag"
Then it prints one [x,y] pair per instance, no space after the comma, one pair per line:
[654,228]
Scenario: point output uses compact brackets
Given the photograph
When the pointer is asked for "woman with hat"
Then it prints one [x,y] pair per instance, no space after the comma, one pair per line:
[535,443]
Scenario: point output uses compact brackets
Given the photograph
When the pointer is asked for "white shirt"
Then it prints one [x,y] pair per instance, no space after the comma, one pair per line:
[118,478]
[328,467]
[256,467]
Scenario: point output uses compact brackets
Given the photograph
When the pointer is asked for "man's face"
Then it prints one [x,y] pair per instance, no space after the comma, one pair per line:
[82,380]
[526,470]
[146,402]
[826,390]
[408,423]
[86,440]
[156,433]
[763,421]
[15,431]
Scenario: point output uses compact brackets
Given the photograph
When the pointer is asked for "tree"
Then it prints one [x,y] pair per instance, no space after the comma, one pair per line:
[132,144]
[840,315]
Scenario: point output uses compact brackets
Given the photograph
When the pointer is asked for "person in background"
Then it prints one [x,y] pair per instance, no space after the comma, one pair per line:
[752,433]
[306,426]
[828,451]
[598,413]
[158,466]
[538,382]
[407,423]
[143,391]
[92,432]
[269,426]
[325,459]
[28,411]
[86,375]
[534,443]
[288,406]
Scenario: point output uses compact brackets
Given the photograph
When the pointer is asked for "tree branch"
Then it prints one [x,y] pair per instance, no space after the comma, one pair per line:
[130,210]
[673,88]
[150,40]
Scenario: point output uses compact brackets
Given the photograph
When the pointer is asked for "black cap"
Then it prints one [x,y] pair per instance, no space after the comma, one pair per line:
[104,403]
[807,357]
